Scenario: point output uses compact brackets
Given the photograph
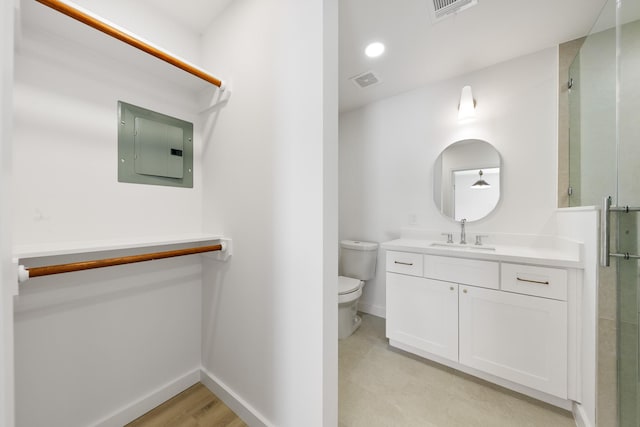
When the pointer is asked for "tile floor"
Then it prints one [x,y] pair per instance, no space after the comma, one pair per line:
[380,386]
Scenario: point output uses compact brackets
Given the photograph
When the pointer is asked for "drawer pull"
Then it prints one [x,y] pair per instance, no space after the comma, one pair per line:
[403,263]
[546,282]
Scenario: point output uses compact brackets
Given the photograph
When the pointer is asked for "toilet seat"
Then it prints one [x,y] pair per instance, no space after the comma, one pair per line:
[349,289]
[346,285]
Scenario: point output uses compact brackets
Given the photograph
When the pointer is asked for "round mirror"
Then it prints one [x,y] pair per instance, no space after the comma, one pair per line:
[466,180]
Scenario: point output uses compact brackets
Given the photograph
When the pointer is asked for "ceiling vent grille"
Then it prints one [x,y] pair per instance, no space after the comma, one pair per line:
[366,79]
[443,8]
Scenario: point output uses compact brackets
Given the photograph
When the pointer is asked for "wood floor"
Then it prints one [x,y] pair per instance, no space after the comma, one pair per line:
[194,407]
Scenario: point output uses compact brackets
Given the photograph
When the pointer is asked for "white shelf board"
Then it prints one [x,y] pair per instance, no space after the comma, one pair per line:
[70,248]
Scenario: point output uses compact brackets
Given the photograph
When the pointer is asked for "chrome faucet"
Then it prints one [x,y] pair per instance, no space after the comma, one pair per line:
[449,237]
[463,233]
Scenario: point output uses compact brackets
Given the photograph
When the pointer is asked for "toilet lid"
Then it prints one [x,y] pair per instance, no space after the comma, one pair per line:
[347,285]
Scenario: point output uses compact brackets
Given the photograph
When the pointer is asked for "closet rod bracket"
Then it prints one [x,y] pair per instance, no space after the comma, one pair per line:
[23,274]
[223,254]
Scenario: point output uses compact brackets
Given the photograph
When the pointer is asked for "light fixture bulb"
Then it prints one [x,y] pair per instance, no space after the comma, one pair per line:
[374,49]
[467,107]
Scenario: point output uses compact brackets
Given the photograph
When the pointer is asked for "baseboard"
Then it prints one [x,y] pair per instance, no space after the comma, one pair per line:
[376,310]
[143,405]
[582,420]
[238,405]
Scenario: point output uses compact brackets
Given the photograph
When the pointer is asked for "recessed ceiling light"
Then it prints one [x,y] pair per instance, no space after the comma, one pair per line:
[374,49]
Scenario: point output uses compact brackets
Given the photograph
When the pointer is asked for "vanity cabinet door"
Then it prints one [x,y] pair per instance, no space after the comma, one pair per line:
[423,313]
[516,337]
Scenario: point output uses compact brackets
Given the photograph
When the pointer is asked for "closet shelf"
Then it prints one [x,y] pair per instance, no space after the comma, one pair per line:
[71,248]
[79,27]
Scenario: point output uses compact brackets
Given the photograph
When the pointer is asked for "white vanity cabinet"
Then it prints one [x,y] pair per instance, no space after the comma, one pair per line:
[508,320]
[423,313]
[516,337]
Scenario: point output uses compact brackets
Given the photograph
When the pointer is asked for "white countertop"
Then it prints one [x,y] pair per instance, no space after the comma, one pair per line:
[563,254]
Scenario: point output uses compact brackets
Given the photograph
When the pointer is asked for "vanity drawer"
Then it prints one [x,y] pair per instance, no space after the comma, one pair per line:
[404,263]
[485,274]
[531,280]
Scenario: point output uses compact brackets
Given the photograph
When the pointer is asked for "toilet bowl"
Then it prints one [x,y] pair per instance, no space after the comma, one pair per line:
[357,264]
[349,291]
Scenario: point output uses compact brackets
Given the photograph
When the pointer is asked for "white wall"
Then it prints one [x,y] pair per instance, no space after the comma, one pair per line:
[150,24]
[91,344]
[330,213]
[388,149]
[581,224]
[270,180]
[7,272]
[66,147]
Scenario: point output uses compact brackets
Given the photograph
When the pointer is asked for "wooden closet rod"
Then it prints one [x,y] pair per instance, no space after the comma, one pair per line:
[87,265]
[130,40]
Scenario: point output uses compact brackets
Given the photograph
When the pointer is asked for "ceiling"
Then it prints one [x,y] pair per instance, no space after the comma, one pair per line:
[195,14]
[420,51]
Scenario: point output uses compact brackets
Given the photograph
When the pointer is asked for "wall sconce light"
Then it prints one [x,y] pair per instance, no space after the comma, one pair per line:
[467,106]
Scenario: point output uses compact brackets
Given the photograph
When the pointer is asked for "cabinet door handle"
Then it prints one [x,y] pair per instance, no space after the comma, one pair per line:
[546,282]
[464,290]
[403,263]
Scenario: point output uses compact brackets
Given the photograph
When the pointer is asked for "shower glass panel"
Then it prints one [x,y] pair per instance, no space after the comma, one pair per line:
[574,133]
[592,112]
[628,193]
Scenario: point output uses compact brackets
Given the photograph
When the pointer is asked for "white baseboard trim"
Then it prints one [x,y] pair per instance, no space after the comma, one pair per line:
[146,403]
[376,310]
[582,420]
[237,404]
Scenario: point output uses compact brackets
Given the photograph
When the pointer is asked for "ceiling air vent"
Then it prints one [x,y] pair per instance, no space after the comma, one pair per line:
[443,8]
[366,79]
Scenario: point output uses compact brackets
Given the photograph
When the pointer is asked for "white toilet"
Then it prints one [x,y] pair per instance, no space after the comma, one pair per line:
[357,264]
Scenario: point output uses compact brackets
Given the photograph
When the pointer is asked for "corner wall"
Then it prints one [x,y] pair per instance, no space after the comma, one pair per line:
[270,184]
[7,269]
[388,149]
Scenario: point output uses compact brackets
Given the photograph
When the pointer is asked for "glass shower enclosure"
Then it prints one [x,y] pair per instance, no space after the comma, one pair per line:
[604,153]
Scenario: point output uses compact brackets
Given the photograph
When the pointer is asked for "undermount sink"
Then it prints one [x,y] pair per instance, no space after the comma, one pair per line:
[458,246]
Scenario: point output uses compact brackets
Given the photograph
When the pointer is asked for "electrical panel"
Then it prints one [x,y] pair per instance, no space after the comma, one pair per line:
[154,148]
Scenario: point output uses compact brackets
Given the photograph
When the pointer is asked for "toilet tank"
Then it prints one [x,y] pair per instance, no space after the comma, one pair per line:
[358,259]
